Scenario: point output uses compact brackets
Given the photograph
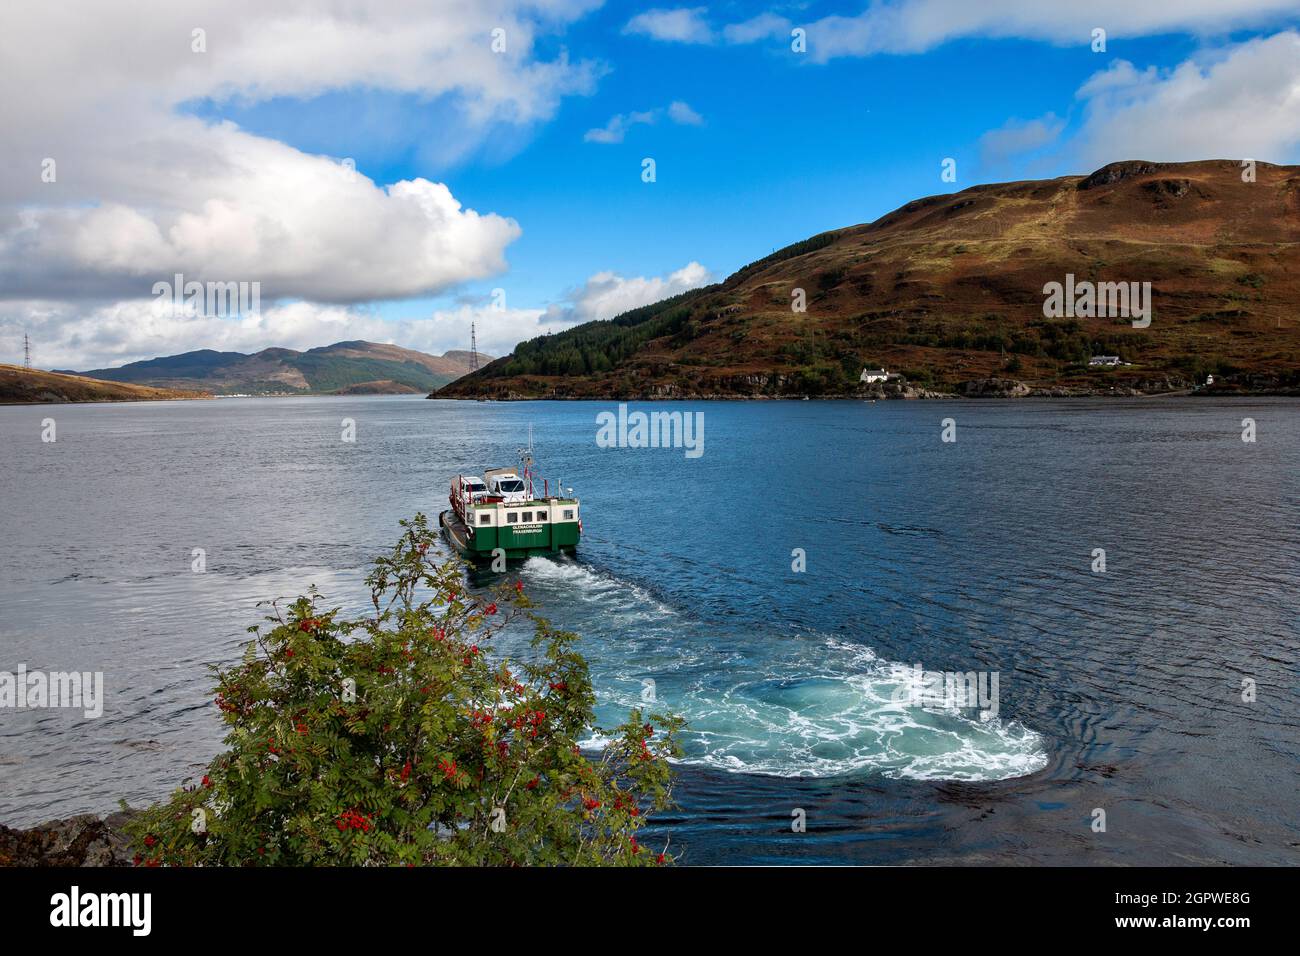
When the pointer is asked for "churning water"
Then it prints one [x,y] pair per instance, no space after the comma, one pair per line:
[1120,690]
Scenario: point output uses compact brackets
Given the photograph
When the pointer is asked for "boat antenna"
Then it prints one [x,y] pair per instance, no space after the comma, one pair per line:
[526,457]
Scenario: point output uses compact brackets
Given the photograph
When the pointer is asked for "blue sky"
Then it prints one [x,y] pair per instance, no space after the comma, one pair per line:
[780,145]
[788,147]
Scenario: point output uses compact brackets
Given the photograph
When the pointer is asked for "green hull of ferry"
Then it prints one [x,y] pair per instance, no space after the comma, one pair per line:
[517,541]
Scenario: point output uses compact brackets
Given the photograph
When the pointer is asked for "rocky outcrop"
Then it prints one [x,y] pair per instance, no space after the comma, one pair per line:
[898,390]
[84,840]
[994,388]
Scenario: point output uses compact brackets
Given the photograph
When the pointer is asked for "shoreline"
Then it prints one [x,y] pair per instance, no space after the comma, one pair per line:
[85,839]
[1043,396]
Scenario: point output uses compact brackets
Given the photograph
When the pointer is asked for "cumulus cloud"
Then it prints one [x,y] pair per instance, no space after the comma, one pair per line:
[87,336]
[616,129]
[607,294]
[682,25]
[141,189]
[914,26]
[1235,102]
[1242,102]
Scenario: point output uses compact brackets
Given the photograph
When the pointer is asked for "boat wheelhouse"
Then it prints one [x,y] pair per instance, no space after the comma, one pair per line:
[500,512]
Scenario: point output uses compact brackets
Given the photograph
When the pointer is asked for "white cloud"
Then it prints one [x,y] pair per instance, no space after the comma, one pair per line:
[618,125]
[683,25]
[82,336]
[1244,102]
[144,190]
[1016,137]
[914,26]
[682,114]
[762,27]
[607,294]
[616,129]
[1240,101]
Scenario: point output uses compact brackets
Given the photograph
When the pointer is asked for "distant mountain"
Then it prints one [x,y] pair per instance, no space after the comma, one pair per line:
[345,367]
[22,386]
[950,291]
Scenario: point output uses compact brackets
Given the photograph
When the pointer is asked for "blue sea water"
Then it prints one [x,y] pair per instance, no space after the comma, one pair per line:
[1119,691]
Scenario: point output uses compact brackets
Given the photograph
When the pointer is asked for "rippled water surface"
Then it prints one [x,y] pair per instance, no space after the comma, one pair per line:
[1120,691]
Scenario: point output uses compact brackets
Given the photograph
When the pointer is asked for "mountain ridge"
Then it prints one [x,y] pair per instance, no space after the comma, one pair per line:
[347,367]
[949,290]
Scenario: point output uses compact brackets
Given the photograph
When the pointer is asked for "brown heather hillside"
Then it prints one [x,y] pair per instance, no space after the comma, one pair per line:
[21,386]
[949,290]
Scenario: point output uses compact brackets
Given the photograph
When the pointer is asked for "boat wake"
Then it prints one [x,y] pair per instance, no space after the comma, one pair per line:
[770,701]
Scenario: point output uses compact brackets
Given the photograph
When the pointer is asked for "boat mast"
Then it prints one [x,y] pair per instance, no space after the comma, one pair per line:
[526,457]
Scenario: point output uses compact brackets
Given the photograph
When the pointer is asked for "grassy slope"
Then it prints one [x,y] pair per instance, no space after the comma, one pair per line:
[949,289]
[20,386]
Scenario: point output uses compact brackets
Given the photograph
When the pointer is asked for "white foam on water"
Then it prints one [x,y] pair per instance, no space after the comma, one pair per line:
[593,586]
[789,704]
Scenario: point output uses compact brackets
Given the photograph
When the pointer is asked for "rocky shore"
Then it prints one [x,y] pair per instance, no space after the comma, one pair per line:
[982,388]
[84,840]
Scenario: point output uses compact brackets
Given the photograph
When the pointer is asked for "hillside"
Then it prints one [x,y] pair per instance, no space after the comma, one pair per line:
[949,291]
[353,367]
[21,386]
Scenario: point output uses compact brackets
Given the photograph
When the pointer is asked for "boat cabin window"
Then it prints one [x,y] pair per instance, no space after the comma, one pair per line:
[485,517]
[568,514]
[512,517]
[528,517]
[541,516]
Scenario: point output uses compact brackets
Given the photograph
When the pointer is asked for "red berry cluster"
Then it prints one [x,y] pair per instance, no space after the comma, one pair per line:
[353,820]
[533,722]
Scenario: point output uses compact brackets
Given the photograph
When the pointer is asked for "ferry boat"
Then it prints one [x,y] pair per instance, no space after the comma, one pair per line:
[502,511]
